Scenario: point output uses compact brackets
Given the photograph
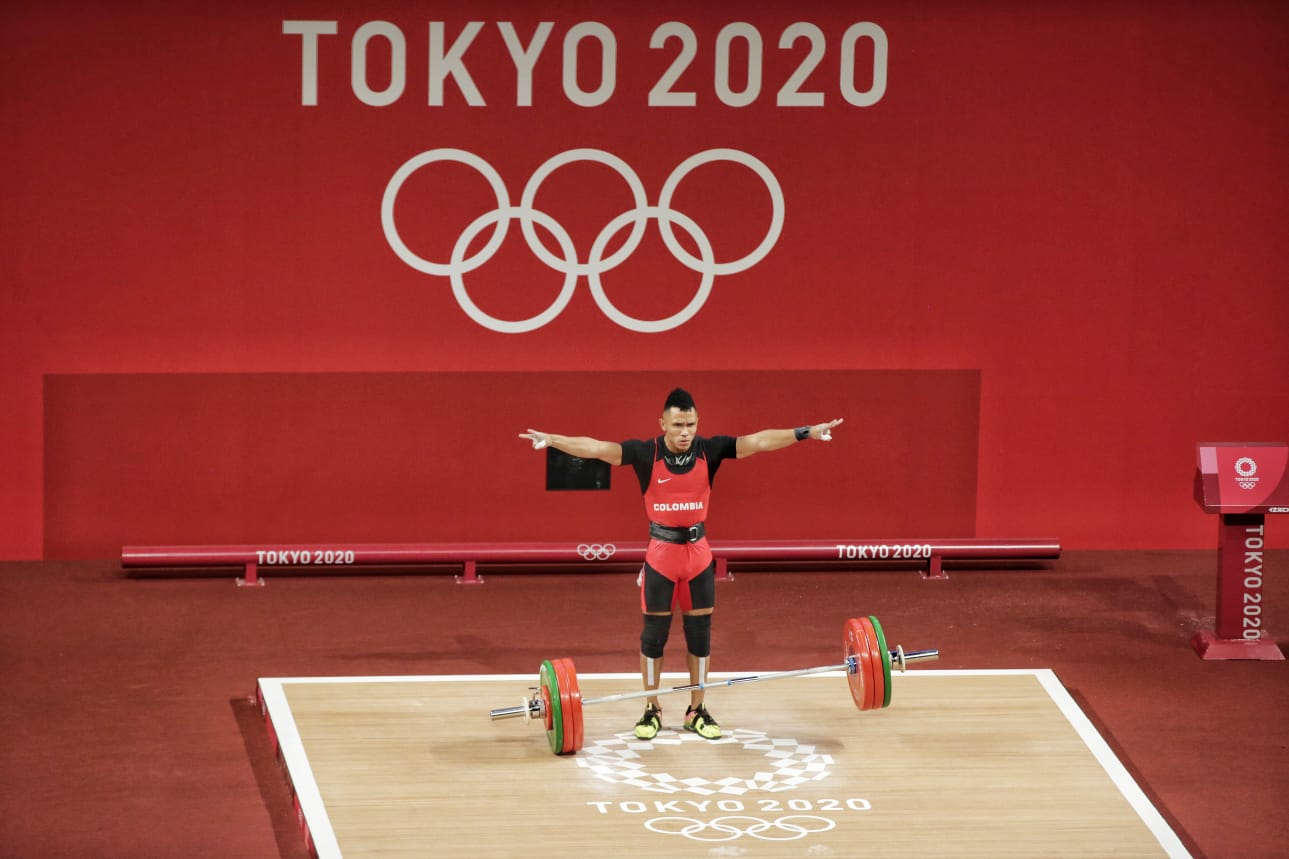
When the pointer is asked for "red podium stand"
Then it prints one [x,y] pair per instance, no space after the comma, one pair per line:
[1242,482]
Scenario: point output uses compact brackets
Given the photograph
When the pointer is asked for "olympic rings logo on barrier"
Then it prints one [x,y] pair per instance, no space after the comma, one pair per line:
[596,551]
[723,830]
[568,262]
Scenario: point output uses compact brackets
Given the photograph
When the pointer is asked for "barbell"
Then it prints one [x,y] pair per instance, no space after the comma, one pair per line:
[557,701]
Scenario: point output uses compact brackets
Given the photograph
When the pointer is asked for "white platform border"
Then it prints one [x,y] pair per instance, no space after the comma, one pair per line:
[317,824]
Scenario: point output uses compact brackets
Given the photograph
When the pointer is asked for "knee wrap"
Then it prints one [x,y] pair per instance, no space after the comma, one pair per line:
[698,634]
[653,638]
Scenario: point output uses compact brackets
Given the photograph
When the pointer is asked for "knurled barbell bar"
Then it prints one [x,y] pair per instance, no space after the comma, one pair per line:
[558,701]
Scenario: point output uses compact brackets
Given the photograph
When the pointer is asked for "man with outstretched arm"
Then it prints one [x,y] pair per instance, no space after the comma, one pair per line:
[676,470]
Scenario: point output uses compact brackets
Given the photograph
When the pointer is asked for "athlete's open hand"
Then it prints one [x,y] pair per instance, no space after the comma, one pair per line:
[823,431]
[539,439]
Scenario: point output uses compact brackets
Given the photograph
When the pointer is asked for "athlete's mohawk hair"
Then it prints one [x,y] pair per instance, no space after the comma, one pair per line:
[679,399]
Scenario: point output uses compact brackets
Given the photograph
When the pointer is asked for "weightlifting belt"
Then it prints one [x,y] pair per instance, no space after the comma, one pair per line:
[692,534]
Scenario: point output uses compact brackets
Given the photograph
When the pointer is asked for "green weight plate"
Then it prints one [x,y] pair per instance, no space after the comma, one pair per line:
[554,710]
[885,653]
[874,658]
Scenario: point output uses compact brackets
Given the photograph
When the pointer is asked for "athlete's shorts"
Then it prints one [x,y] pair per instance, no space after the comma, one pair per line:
[675,581]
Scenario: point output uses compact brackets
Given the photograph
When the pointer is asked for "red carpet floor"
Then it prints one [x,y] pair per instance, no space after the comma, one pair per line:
[129,729]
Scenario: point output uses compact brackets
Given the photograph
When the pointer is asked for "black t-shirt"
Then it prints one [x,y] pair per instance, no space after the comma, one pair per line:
[641,454]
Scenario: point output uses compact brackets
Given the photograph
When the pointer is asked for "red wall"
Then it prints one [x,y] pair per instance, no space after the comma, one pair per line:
[1082,205]
[425,457]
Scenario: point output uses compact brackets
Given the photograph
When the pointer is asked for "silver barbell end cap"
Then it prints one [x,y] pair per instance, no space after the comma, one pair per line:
[507,712]
[900,659]
[530,709]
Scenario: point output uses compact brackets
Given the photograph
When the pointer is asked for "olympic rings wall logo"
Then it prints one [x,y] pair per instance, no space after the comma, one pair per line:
[569,262]
[783,828]
[596,551]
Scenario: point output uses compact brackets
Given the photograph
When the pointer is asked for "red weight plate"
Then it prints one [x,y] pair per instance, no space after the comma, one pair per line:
[575,702]
[866,664]
[879,675]
[852,645]
[569,721]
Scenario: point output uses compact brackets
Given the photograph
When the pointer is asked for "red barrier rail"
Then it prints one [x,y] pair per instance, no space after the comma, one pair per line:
[928,552]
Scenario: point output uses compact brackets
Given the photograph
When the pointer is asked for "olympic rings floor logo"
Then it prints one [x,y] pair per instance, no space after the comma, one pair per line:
[569,263]
[789,827]
[787,764]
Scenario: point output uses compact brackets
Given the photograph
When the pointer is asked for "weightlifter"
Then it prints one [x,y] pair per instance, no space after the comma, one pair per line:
[676,470]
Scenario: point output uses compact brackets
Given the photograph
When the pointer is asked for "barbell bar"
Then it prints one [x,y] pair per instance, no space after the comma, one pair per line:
[557,700]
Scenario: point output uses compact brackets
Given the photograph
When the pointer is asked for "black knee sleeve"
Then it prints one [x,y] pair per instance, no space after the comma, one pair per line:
[653,638]
[698,634]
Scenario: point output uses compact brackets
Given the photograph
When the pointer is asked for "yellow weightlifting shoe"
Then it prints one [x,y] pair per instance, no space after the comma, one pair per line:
[698,720]
[650,723]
